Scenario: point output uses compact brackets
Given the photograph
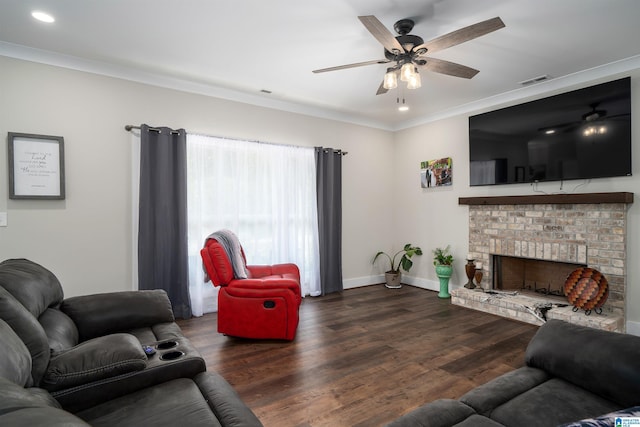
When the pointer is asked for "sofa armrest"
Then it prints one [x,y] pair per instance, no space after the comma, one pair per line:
[224,401]
[267,285]
[602,362]
[102,314]
[95,360]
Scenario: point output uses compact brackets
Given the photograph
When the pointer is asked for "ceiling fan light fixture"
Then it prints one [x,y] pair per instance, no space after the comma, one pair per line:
[414,82]
[407,71]
[595,130]
[390,79]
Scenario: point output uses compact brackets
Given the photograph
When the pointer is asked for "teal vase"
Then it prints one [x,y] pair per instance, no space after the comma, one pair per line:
[444,274]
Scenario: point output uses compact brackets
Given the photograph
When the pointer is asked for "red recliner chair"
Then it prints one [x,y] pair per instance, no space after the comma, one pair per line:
[264,305]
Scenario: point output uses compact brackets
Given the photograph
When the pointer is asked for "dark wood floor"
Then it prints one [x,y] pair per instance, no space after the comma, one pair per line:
[363,357]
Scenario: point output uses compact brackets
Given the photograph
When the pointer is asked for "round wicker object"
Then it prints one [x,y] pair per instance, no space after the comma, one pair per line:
[586,288]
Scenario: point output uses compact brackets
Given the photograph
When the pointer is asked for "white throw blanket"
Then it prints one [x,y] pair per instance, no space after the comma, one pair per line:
[231,245]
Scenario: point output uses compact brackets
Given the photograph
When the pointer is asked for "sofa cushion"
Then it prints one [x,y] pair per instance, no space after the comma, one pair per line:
[153,406]
[15,396]
[95,360]
[15,362]
[181,400]
[585,356]
[441,412]
[551,403]
[27,328]
[60,330]
[32,407]
[50,417]
[33,285]
[103,314]
[216,262]
[486,397]
[478,421]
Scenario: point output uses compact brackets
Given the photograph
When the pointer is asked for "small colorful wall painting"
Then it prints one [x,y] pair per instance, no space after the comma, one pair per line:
[436,173]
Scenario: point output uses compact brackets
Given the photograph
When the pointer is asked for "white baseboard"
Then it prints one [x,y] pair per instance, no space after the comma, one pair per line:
[357,282]
[418,282]
[633,328]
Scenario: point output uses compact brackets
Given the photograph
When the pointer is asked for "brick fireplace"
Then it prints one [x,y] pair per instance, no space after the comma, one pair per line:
[569,229]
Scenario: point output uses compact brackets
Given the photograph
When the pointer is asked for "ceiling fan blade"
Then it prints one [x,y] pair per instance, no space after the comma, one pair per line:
[381,34]
[464,34]
[382,90]
[357,64]
[450,68]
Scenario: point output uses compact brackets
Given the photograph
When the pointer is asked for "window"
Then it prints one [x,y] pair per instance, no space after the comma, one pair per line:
[265,193]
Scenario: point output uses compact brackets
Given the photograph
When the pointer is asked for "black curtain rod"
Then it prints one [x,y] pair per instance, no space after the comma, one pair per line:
[335,151]
[129,128]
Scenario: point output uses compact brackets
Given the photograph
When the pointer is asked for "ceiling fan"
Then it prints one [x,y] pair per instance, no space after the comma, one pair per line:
[408,52]
[593,121]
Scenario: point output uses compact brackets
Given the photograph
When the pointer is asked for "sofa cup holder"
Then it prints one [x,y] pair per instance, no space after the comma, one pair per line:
[166,345]
[171,355]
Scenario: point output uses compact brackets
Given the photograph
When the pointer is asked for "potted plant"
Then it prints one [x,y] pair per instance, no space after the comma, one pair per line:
[394,275]
[443,261]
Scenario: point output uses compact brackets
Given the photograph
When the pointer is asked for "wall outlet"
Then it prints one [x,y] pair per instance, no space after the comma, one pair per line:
[3,219]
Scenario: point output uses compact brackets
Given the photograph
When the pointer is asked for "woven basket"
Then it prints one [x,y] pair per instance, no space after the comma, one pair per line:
[586,288]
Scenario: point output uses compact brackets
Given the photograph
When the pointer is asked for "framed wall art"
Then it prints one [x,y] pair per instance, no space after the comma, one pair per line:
[436,173]
[36,166]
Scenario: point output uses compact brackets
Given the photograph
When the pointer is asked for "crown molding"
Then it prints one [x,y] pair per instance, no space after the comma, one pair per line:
[618,69]
[40,56]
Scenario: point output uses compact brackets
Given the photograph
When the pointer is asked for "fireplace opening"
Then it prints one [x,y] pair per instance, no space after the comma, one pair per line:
[526,274]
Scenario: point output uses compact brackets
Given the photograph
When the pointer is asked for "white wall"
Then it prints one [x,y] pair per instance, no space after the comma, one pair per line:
[86,239]
[432,217]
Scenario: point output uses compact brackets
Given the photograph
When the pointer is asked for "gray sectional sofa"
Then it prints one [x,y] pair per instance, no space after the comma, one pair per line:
[82,360]
[572,374]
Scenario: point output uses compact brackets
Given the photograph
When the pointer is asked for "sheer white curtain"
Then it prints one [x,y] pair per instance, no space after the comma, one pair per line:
[265,193]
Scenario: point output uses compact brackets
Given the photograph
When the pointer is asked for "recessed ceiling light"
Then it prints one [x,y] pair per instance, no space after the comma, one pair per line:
[43,16]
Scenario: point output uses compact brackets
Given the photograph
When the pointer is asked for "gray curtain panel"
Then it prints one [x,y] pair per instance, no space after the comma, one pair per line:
[329,194]
[162,234]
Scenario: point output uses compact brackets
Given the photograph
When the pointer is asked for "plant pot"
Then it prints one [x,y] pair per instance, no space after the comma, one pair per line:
[393,279]
[444,274]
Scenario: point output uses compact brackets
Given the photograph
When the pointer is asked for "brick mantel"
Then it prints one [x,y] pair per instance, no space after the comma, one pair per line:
[583,198]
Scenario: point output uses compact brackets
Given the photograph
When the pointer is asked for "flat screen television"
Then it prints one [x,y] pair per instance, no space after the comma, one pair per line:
[581,134]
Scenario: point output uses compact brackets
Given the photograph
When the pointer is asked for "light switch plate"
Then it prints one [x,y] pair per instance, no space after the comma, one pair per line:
[3,219]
